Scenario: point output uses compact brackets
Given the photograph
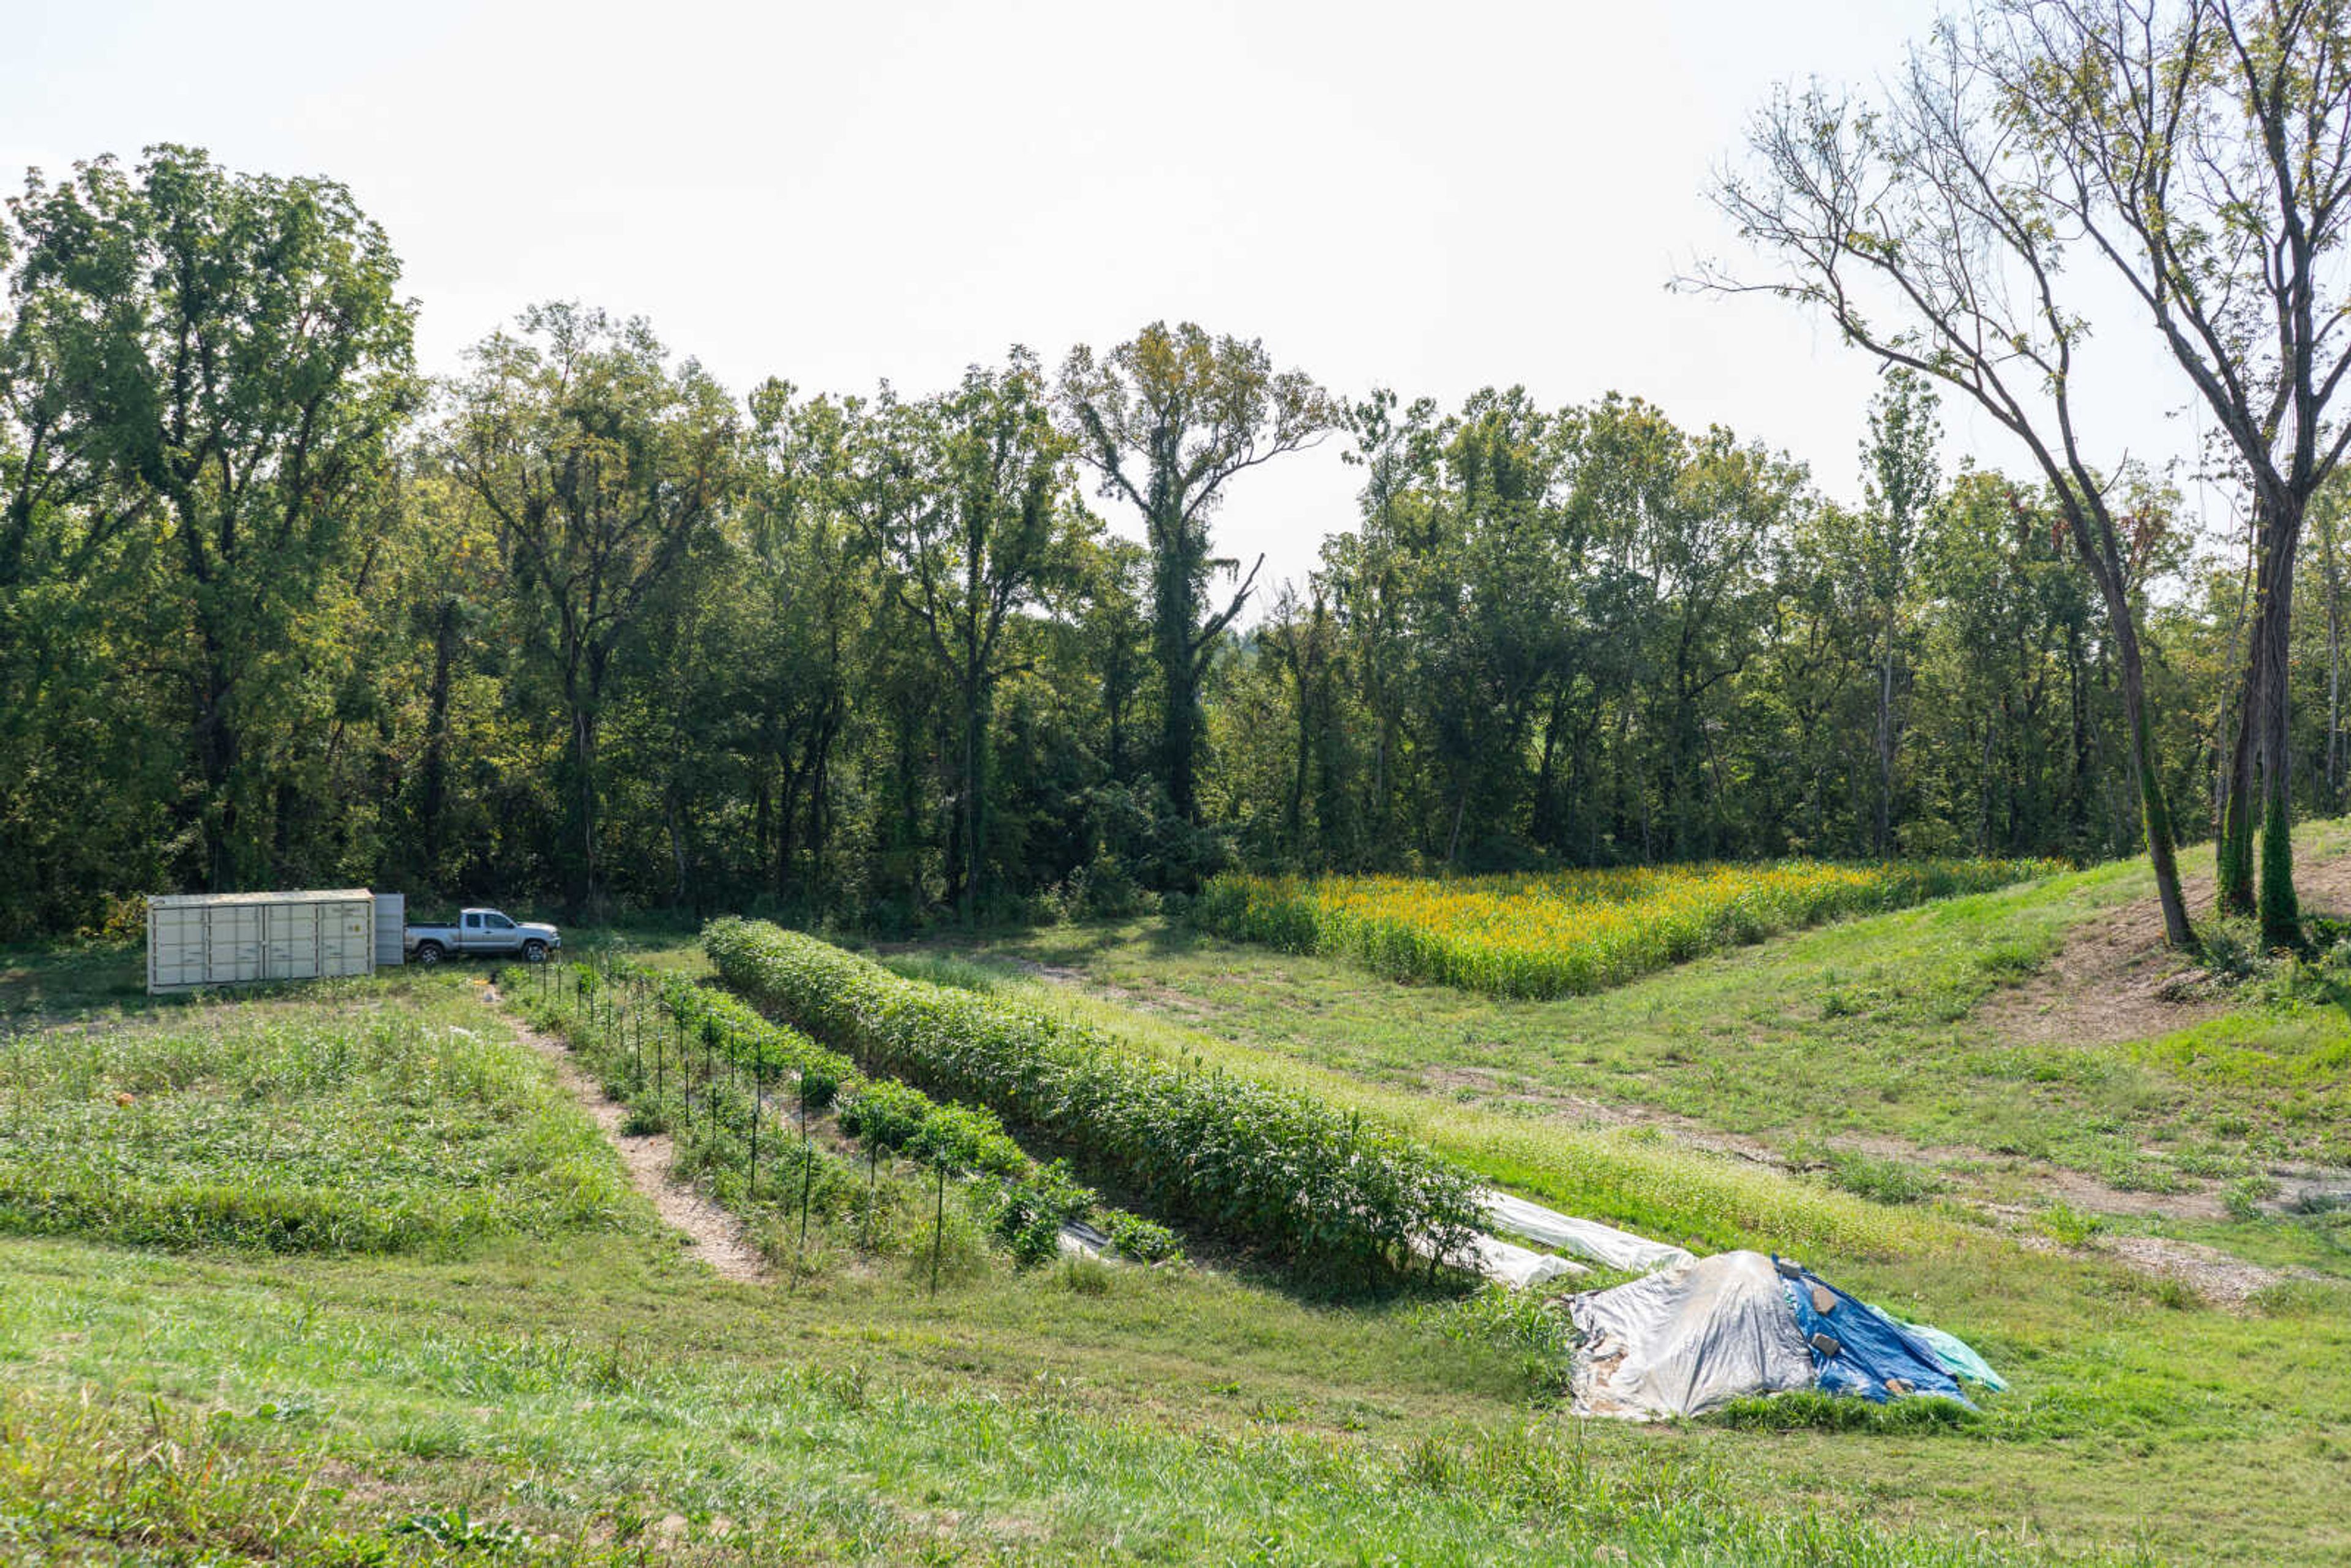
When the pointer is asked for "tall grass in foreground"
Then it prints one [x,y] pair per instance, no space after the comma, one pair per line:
[583,1446]
[1569,933]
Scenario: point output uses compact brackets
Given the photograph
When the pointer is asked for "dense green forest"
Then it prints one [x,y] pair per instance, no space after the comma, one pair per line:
[582,624]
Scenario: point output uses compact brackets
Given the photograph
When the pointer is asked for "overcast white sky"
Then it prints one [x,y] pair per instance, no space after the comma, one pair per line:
[1436,197]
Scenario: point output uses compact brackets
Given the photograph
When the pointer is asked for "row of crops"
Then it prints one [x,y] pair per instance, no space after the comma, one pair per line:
[791,1136]
[1568,933]
[1266,1167]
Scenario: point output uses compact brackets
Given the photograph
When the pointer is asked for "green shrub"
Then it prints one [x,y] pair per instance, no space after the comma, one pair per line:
[2063,1223]
[1523,1326]
[884,1115]
[2244,1196]
[1144,1240]
[1881,1180]
[1813,1410]
[1083,1277]
[1031,1210]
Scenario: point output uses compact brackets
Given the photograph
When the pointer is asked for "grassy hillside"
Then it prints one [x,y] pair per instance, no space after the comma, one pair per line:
[1881,1036]
[552,1380]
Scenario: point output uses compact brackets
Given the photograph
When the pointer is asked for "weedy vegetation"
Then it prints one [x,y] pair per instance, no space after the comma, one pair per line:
[383,1131]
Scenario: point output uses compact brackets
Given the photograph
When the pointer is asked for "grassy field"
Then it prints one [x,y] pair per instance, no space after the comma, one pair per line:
[1869,1036]
[428,1378]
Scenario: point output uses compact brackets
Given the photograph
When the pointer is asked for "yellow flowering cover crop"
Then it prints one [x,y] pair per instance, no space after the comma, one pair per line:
[1559,933]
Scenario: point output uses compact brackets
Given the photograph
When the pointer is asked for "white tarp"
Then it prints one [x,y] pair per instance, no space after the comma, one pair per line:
[1584,1238]
[1683,1342]
[1520,1267]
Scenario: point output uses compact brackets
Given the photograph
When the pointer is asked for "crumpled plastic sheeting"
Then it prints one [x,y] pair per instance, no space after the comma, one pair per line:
[1079,1240]
[1584,1238]
[1520,1267]
[1683,1342]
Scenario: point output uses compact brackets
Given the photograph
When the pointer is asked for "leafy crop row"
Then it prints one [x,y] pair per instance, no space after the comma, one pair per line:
[745,1059]
[1267,1165]
[1568,933]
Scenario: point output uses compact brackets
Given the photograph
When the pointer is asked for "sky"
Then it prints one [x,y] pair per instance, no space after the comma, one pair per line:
[1434,198]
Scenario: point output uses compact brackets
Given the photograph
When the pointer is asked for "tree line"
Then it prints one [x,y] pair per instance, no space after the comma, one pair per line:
[580,623]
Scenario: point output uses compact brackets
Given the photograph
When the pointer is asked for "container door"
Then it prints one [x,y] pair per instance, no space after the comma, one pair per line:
[391,924]
[175,940]
[292,941]
[347,941]
[232,943]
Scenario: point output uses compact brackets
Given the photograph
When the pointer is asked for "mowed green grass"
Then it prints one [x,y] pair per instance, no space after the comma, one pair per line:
[597,1391]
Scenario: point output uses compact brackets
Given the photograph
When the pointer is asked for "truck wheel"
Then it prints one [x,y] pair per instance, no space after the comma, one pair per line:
[428,952]
[534,952]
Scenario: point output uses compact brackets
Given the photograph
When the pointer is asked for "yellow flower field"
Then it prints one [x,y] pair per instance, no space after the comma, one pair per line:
[1570,932]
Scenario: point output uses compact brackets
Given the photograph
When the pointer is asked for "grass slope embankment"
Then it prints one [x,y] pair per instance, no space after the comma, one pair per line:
[1631,1176]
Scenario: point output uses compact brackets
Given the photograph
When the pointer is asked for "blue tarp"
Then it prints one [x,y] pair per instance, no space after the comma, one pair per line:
[1858,1348]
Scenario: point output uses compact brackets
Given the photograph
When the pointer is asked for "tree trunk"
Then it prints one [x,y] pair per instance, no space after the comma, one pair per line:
[1885,739]
[2155,816]
[2281,910]
[2334,669]
[1178,736]
[1297,811]
[216,761]
[2232,852]
[975,744]
[434,806]
[788,796]
[584,734]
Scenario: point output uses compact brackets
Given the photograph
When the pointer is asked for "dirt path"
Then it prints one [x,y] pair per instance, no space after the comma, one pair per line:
[2114,981]
[711,1234]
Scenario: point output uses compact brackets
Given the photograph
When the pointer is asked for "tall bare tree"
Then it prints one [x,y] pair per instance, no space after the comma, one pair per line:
[2202,149]
[1925,226]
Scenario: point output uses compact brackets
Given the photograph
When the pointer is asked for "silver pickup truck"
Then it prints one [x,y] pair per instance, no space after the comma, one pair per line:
[481,931]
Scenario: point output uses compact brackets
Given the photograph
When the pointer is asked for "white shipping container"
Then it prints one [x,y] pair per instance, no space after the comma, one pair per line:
[238,938]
